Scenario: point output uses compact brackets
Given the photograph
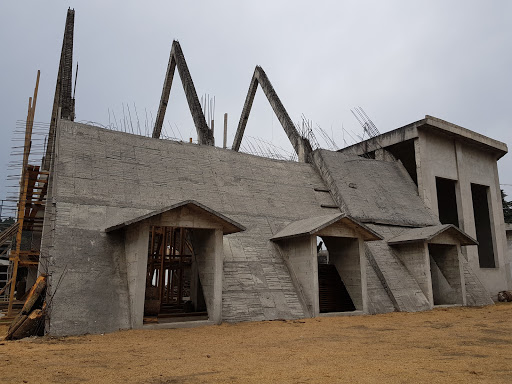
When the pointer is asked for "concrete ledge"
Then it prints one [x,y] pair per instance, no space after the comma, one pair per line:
[182,324]
[334,314]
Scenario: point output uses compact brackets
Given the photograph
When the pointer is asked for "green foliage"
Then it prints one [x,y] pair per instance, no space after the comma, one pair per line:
[507,208]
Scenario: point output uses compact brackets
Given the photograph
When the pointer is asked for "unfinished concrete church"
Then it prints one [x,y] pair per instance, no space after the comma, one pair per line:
[145,232]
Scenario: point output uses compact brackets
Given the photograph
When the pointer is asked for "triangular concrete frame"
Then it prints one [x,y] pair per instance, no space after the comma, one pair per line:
[301,145]
[429,234]
[177,59]
[313,225]
[228,225]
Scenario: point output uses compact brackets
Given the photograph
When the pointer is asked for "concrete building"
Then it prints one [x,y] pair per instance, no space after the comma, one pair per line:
[144,232]
[456,172]
[251,225]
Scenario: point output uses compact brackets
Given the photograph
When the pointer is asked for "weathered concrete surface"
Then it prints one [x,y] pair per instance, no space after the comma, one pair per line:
[445,150]
[410,131]
[102,178]
[476,292]
[403,290]
[430,233]
[341,224]
[508,230]
[373,191]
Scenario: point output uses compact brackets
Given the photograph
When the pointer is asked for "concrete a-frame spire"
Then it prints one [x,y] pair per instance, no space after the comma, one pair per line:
[63,89]
[177,59]
[301,145]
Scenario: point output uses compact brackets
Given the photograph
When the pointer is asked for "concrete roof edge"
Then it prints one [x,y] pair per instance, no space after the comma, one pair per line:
[374,143]
[466,239]
[498,146]
[157,212]
[372,235]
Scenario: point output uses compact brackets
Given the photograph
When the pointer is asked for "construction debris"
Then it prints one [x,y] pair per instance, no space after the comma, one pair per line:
[30,320]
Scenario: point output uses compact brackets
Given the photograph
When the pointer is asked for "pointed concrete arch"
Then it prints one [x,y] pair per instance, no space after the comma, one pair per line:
[301,145]
[177,59]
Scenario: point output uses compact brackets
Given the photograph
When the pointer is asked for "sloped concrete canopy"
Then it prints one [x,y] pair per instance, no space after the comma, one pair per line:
[314,225]
[431,234]
[228,225]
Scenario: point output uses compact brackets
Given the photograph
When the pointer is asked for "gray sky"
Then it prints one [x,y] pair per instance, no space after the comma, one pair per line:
[399,60]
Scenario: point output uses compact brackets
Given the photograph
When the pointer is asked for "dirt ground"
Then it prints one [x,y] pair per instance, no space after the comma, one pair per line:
[456,345]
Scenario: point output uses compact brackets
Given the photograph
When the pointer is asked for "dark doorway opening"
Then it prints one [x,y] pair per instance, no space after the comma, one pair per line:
[173,288]
[483,228]
[404,152]
[447,201]
[339,275]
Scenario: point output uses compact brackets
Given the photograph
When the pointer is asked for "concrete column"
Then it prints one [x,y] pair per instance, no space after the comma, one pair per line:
[216,312]
[136,251]
[430,292]
[422,170]
[462,279]
[364,280]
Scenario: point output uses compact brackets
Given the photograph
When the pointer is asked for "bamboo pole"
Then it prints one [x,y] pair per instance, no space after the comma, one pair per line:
[23,190]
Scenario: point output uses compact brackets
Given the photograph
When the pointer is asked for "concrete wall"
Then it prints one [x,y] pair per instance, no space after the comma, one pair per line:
[209,255]
[447,274]
[102,178]
[301,254]
[136,251]
[438,155]
[415,257]
[508,229]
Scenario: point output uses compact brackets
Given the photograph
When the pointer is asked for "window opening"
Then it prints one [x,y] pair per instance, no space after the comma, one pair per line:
[484,236]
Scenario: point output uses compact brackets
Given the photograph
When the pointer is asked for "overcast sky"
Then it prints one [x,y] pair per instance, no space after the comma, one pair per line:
[399,60]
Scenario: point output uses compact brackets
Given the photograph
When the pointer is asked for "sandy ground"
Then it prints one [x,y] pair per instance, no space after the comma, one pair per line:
[456,345]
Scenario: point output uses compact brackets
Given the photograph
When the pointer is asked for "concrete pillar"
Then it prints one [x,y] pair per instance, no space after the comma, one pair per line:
[423,170]
[364,279]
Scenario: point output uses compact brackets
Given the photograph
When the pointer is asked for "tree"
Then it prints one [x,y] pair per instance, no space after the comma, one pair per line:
[507,208]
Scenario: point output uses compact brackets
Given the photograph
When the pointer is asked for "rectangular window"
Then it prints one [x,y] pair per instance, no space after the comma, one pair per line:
[479,194]
[447,201]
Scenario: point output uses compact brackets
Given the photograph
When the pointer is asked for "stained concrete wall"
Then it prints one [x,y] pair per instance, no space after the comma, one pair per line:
[373,191]
[301,253]
[415,257]
[439,155]
[446,150]
[102,178]
[508,229]
[136,251]
[447,274]
[208,249]
[377,297]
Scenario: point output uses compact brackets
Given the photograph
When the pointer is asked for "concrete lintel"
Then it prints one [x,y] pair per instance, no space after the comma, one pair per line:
[314,225]
[432,234]
[228,225]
